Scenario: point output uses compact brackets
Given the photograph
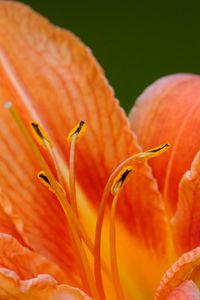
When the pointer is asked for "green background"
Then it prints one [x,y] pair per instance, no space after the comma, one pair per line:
[136,42]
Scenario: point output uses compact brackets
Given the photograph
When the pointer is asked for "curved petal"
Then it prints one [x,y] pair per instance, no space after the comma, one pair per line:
[62,84]
[34,210]
[186,267]
[186,291]
[187,218]
[26,263]
[42,287]
[65,85]
[169,111]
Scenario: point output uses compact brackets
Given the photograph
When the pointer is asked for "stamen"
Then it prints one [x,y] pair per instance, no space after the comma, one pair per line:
[86,273]
[44,179]
[72,138]
[48,179]
[114,184]
[116,188]
[42,138]
[134,159]
[67,209]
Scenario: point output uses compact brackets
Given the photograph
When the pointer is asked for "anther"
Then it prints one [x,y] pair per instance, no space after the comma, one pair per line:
[44,179]
[56,189]
[154,152]
[120,179]
[40,135]
[77,131]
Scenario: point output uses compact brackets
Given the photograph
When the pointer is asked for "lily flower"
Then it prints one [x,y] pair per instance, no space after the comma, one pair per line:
[83,215]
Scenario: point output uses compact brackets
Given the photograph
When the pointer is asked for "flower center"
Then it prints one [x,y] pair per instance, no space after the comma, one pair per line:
[65,191]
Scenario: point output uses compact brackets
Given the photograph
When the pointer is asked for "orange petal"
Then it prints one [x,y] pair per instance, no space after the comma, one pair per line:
[41,287]
[26,263]
[35,211]
[186,267]
[62,84]
[65,85]
[186,291]
[187,218]
[169,111]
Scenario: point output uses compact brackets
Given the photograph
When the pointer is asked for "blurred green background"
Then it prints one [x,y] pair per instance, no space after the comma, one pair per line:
[136,42]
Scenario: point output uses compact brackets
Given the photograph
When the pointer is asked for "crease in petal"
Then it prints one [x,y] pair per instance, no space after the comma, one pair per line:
[25,262]
[187,218]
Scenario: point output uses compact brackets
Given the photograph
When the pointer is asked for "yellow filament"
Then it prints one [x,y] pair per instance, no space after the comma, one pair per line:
[134,159]
[113,254]
[56,164]
[72,138]
[118,183]
[86,273]
[87,277]
[72,186]
[79,130]
[78,232]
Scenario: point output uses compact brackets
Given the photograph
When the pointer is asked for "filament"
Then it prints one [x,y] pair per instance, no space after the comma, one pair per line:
[135,159]
[72,138]
[93,284]
[86,274]
[42,138]
[113,254]
[72,187]
[116,188]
